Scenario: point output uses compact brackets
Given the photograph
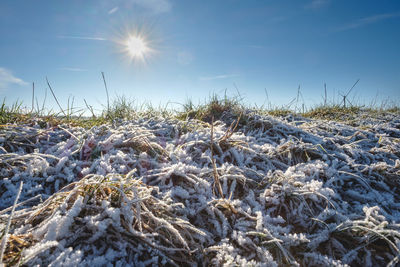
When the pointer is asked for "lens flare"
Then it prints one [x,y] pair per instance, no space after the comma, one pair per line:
[136,47]
[137,43]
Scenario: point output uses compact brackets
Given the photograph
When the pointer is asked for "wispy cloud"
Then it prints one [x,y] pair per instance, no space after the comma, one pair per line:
[217,77]
[155,6]
[317,4]
[73,69]
[82,38]
[368,20]
[185,58]
[7,79]
[113,10]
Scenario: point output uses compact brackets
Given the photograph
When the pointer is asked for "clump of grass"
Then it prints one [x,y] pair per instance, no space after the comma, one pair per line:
[349,114]
[145,223]
[13,113]
[394,109]
[225,109]
[279,112]
[332,112]
[120,109]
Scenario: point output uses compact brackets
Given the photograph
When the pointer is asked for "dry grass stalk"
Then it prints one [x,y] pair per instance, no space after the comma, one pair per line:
[215,172]
[52,92]
[5,237]
[228,134]
[108,98]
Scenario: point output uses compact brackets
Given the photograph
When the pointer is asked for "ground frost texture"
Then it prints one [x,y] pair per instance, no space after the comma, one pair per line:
[295,191]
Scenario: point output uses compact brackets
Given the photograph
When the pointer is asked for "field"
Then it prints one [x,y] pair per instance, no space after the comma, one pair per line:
[214,185]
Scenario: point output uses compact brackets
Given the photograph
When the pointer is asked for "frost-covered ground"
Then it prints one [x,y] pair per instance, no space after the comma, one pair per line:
[295,191]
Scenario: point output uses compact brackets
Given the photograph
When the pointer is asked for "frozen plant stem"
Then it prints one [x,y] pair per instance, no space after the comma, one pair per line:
[51,90]
[89,108]
[216,178]
[4,242]
[33,97]
[108,99]
[21,203]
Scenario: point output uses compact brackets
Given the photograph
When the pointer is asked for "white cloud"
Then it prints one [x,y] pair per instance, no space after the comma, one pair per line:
[368,20]
[73,69]
[82,38]
[155,6]
[113,10]
[317,4]
[7,79]
[217,77]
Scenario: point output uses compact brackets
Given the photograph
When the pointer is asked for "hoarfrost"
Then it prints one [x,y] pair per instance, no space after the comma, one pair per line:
[296,192]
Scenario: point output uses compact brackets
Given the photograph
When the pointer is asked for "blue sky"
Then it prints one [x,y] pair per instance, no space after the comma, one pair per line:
[200,48]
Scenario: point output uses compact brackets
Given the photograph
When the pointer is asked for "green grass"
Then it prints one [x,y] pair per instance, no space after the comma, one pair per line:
[332,112]
[348,114]
[224,108]
[11,113]
[214,109]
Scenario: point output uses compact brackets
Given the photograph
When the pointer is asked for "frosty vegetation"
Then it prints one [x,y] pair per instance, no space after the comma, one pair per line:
[267,191]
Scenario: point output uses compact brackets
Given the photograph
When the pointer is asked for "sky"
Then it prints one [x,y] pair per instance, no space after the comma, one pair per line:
[261,50]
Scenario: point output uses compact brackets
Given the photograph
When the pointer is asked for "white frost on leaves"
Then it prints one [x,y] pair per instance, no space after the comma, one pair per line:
[296,192]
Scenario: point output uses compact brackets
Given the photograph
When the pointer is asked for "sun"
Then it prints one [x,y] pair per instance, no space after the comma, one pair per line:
[136,47]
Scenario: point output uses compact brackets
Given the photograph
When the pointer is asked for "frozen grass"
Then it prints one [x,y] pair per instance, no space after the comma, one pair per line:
[223,108]
[216,184]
